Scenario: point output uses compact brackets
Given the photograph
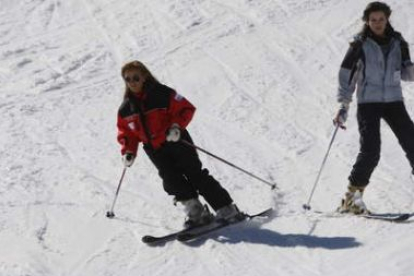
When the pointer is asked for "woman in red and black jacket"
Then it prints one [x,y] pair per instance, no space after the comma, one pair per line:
[156,116]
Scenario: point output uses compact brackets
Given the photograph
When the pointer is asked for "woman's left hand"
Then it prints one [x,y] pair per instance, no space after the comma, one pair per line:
[174,133]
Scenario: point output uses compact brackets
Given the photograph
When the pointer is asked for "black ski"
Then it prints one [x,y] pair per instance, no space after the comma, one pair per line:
[400,217]
[148,239]
[388,217]
[153,240]
[217,225]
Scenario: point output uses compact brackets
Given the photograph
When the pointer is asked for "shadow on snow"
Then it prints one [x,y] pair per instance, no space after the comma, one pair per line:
[271,238]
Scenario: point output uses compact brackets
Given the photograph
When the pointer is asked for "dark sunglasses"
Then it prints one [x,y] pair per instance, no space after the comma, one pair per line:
[135,78]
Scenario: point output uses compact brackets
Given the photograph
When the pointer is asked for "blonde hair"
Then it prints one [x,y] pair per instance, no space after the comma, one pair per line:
[149,79]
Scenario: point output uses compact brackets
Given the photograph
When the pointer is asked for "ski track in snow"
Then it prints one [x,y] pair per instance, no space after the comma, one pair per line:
[263,77]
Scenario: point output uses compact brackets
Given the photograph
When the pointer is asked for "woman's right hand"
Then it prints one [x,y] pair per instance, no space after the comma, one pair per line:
[341,116]
[128,159]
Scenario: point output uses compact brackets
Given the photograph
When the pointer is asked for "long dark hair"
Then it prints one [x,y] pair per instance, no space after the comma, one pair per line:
[374,7]
[150,80]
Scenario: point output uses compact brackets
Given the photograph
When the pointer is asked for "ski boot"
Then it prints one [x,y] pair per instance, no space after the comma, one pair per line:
[229,213]
[353,202]
[197,214]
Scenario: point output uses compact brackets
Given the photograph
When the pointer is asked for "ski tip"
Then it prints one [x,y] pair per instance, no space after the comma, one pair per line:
[403,217]
[148,239]
[268,212]
[265,213]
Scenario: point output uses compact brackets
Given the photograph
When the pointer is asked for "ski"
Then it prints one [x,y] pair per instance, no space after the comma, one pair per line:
[388,217]
[400,217]
[217,225]
[153,240]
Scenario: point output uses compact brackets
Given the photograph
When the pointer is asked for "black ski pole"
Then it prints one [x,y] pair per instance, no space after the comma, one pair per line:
[307,205]
[272,185]
[110,214]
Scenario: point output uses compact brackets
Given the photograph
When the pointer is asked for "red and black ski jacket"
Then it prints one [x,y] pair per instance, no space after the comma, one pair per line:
[146,117]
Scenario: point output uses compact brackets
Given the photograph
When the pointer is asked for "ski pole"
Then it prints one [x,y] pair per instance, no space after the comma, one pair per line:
[272,185]
[307,206]
[110,214]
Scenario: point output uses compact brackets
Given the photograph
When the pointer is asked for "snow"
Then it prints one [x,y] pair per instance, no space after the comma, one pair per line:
[263,77]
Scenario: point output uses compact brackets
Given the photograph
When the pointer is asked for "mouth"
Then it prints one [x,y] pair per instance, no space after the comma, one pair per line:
[378,30]
[134,88]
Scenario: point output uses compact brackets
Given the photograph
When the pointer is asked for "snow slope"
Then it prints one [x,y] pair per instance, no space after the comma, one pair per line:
[263,76]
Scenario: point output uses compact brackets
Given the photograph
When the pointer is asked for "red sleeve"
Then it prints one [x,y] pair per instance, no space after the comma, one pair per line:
[181,110]
[128,141]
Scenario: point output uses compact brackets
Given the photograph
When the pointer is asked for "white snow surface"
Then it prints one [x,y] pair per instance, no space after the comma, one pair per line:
[263,75]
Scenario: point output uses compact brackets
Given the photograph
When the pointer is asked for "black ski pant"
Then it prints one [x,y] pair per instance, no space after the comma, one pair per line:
[369,116]
[183,176]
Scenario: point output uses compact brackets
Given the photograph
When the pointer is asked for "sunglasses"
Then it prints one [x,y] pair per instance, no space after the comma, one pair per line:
[134,78]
